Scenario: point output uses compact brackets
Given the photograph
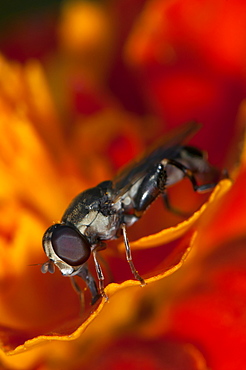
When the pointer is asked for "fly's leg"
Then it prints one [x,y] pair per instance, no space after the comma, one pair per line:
[150,188]
[172,209]
[189,174]
[77,289]
[90,282]
[129,257]
[99,276]
[155,183]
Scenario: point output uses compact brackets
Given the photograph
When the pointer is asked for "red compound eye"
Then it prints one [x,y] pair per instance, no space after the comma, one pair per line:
[71,246]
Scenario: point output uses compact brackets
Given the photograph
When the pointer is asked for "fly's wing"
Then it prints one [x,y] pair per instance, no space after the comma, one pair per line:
[167,147]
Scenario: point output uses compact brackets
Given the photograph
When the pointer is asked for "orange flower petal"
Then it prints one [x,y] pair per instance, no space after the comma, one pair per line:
[138,353]
[226,219]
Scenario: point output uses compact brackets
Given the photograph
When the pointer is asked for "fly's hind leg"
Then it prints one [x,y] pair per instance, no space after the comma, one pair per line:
[150,188]
[172,209]
[129,257]
[190,175]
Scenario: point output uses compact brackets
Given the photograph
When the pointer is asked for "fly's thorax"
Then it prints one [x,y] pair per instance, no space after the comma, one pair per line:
[103,227]
[83,223]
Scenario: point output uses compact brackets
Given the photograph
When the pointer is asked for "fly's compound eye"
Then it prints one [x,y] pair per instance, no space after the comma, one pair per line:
[70,246]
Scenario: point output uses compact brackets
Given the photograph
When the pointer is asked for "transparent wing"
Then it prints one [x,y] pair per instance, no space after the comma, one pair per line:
[167,147]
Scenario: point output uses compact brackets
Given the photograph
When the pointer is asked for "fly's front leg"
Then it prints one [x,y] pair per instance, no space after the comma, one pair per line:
[129,257]
[77,289]
[85,274]
[99,276]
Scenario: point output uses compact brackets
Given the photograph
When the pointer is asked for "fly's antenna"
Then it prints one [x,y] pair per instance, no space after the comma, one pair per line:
[48,267]
[45,267]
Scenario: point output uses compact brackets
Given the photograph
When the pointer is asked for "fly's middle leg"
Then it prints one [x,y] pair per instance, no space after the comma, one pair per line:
[129,257]
[151,186]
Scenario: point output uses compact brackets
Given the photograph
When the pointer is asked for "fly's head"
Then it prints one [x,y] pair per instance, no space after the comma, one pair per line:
[66,248]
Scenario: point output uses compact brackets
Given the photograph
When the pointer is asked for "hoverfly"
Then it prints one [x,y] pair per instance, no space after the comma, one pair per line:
[105,211]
